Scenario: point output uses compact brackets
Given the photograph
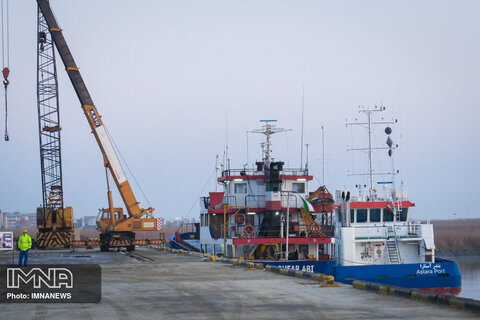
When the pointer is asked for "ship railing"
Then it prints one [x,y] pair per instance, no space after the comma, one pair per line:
[273,230]
[255,201]
[381,232]
[408,231]
[230,200]
[289,200]
[216,232]
[254,172]
[371,232]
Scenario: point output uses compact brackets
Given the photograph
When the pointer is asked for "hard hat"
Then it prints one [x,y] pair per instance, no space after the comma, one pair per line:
[24,230]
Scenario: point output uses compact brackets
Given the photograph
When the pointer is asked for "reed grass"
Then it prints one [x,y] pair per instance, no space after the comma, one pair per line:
[457,234]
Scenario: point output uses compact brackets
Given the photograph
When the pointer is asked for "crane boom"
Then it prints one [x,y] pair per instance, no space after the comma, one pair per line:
[94,120]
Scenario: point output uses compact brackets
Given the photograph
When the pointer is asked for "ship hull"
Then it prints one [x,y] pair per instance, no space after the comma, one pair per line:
[439,277]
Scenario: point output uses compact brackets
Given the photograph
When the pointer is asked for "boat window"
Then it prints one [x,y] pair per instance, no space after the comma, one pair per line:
[403,214]
[240,188]
[374,215]
[387,215]
[361,215]
[298,187]
[352,215]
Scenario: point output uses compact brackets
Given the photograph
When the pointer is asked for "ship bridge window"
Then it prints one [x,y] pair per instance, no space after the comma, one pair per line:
[361,215]
[387,215]
[240,188]
[403,214]
[298,187]
[374,215]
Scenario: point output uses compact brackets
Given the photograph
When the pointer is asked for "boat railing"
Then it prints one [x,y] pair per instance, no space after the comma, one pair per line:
[263,230]
[274,230]
[230,200]
[289,200]
[255,201]
[254,172]
[381,231]
[216,232]
[408,231]
[371,232]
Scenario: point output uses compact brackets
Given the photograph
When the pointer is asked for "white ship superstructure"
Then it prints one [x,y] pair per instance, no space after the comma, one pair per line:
[259,212]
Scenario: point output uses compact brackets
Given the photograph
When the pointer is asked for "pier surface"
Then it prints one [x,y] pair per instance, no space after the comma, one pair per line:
[152,284]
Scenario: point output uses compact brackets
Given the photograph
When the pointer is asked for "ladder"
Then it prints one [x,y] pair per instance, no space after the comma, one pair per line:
[392,246]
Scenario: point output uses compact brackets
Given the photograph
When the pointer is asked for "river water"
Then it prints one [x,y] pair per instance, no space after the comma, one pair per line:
[470,269]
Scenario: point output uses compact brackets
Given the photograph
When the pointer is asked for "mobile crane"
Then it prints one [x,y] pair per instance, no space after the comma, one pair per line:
[116,228]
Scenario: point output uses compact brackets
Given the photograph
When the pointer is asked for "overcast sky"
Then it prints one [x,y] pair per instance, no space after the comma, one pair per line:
[176,80]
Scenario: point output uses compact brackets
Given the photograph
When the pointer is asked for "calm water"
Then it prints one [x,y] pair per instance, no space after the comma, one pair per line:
[470,269]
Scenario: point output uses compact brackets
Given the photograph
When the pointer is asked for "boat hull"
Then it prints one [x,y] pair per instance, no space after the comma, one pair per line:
[440,277]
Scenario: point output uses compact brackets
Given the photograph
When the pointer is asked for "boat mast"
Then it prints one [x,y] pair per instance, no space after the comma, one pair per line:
[369,125]
[268,129]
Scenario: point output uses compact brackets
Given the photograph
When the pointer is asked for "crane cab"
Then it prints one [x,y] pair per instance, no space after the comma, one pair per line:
[105,222]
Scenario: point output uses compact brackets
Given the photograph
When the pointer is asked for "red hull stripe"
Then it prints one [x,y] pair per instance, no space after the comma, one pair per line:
[378,204]
[444,290]
[285,177]
[281,241]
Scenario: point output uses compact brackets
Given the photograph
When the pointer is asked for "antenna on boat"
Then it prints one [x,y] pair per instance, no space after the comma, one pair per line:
[217,168]
[323,156]
[301,142]
[268,129]
[306,161]
[370,149]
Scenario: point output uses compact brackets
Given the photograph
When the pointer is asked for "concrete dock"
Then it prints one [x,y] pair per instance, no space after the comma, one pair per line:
[152,284]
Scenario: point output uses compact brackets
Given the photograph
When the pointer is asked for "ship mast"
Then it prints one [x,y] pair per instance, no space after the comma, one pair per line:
[268,129]
[370,149]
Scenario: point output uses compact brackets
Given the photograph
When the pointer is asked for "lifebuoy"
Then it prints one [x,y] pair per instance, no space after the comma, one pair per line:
[315,228]
[249,229]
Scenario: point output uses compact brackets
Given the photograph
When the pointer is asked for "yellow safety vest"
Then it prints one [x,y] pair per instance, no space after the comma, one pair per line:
[24,242]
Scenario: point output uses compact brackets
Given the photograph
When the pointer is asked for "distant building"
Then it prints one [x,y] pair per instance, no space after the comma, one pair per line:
[89,222]
[179,221]
[17,220]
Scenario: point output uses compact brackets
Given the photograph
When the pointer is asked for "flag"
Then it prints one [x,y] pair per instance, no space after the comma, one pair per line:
[307,205]
[389,207]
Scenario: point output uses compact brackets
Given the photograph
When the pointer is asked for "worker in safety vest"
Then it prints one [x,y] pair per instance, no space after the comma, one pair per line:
[24,244]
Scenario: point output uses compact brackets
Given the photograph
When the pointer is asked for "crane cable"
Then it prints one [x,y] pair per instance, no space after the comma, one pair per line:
[5,57]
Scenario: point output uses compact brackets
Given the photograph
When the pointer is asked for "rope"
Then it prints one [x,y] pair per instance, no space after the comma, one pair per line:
[5,56]
[4,32]
[128,168]
[6,113]
[195,202]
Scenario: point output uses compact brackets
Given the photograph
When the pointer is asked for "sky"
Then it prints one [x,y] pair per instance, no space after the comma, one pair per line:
[178,81]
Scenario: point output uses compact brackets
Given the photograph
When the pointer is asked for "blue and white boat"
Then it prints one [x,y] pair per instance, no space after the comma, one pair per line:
[261,216]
